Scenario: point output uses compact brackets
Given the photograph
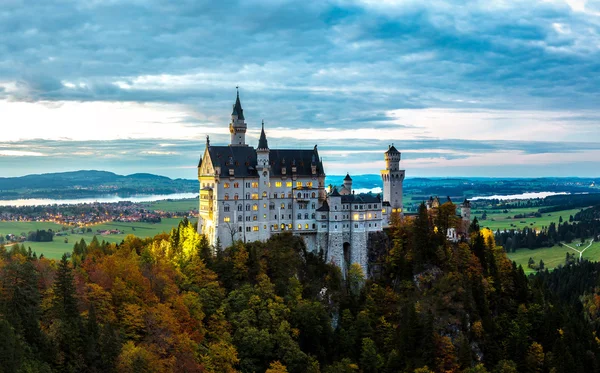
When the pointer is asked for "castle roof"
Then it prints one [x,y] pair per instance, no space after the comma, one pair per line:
[361,198]
[392,150]
[262,142]
[335,193]
[243,161]
[347,178]
[237,107]
[325,207]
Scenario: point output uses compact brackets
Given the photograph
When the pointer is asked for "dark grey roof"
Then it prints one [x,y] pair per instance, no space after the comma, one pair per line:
[335,193]
[243,161]
[392,150]
[325,207]
[386,203]
[361,198]
[347,178]
[262,142]
[237,108]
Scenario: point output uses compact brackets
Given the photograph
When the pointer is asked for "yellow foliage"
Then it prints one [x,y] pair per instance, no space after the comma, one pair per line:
[277,367]
[488,237]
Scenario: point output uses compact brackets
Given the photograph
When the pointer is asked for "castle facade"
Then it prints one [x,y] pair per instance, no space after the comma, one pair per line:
[249,194]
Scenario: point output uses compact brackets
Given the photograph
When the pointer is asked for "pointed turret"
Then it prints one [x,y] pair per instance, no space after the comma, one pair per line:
[237,127]
[348,183]
[237,108]
[262,142]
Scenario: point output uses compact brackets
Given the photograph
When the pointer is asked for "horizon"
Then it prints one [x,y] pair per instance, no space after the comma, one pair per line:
[489,89]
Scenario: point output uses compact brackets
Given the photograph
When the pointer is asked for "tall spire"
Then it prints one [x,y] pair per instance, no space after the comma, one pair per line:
[262,142]
[237,107]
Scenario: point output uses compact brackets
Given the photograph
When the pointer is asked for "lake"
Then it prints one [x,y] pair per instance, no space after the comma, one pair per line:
[528,195]
[101,199]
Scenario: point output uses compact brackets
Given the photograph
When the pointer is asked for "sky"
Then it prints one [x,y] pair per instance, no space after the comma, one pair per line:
[462,88]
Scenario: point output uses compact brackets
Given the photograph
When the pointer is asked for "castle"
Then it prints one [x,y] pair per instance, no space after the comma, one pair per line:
[249,194]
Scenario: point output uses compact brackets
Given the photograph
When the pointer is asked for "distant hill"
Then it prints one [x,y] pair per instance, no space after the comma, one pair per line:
[88,183]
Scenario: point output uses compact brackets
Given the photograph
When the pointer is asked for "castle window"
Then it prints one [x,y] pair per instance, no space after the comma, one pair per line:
[239,229]
[254,218]
[336,217]
[264,205]
[265,226]
[290,195]
[290,216]
[272,206]
[383,211]
[236,196]
[240,207]
[226,197]
[274,195]
[255,207]
[323,225]
[236,185]
[290,225]
[289,206]
[264,216]
[355,225]
[298,184]
[306,226]
[264,194]
[247,185]
[369,206]
[226,219]
[239,218]
[355,216]
[313,216]
[323,216]
[247,218]
[254,184]
[226,185]
[299,195]
[278,184]
[254,195]
[226,208]
[299,226]
[336,207]
[283,206]
[247,229]
[369,224]
[313,206]
[255,228]
[336,226]
[314,226]
[309,184]
[370,216]
[282,226]
[247,195]
[299,216]
[313,195]
[275,226]
[305,216]
[375,225]
[288,184]
[248,207]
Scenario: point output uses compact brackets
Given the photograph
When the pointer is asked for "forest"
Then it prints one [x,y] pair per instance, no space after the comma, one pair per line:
[172,304]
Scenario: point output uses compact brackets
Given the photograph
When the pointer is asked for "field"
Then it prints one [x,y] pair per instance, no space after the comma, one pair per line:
[500,220]
[180,205]
[56,248]
[553,256]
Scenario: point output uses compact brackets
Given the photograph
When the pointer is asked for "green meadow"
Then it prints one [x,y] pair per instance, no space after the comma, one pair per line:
[179,205]
[553,256]
[58,247]
[499,220]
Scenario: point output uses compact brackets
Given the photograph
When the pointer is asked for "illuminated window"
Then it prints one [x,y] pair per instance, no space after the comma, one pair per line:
[226,185]
[264,216]
[290,226]
[355,216]
[254,218]
[255,185]
[255,228]
[370,216]
[288,184]
[226,197]
[278,184]
[226,219]
[275,227]
[254,195]
[306,226]
[236,185]
[309,184]
[299,226]
[282,226]
[283,206]
[383,211]
[298,184]
[236,197]
[264,194]
[265,226]
[255,207]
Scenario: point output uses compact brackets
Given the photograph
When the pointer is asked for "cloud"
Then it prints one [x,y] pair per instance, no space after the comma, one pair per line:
[447,79]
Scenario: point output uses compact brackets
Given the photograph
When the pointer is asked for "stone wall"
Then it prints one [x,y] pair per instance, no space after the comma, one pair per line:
[359,250]
[378,245]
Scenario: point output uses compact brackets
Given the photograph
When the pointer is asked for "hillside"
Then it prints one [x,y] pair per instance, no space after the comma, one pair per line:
[90,183]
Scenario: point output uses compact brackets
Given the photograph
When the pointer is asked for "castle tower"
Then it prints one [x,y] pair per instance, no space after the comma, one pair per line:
[237,127]
[465,211]
[264,173]
[348,183]
[393,177]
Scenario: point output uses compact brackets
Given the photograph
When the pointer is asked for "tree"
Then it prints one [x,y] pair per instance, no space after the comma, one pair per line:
[276,367]
[534,360]
[370,361]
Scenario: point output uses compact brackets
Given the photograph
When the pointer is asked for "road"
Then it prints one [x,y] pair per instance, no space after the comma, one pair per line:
[580,252]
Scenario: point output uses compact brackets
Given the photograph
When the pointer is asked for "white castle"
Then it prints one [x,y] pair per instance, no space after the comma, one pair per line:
[250,194]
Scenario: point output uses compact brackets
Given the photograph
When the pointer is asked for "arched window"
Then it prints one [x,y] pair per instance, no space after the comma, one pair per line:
[305,216]
[282,226]
[299,216]
[247,195]
[240,207]
[313,195]
[255,207]
[289,206]
[299,226]
[248,207]
[239,217]
[313,216]
[226,196]
[283,206]
[274,195]
[299,194]
[226,208]
[236,196]
[290,195]
[264,194]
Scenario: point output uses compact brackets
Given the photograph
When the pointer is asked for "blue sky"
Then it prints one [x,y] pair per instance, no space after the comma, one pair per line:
[477,88]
